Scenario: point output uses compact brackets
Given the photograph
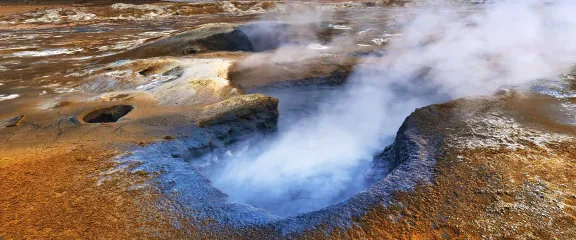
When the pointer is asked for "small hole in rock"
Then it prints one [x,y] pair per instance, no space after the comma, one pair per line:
[107,115]
[147,72]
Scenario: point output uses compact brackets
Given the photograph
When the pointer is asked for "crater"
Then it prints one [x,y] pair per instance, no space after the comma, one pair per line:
[107,115]
[299,174]
[285,189]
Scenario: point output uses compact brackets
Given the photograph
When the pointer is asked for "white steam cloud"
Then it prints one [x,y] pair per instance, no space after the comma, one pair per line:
[444,52]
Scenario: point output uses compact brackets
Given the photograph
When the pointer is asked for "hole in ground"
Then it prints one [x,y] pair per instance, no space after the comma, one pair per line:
[107,115]
[291,171]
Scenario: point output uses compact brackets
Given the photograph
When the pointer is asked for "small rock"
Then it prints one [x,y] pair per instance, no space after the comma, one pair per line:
[12,122]
[169,137]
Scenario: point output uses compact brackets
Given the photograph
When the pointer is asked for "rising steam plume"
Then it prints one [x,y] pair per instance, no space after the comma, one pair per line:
[445,51]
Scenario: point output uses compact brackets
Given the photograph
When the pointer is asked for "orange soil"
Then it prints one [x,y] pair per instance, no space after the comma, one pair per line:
[52,192]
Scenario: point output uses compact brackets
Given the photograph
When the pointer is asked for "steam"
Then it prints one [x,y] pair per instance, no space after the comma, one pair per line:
[444,52]
[475,52]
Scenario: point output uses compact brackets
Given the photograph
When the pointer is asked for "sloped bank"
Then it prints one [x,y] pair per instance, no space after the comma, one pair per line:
[213,37]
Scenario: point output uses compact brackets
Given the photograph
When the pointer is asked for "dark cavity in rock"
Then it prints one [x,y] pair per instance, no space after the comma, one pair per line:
[147,72]
[108,115]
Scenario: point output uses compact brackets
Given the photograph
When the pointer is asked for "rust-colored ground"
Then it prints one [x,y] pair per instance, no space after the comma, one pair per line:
[51,192]
[503,194]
